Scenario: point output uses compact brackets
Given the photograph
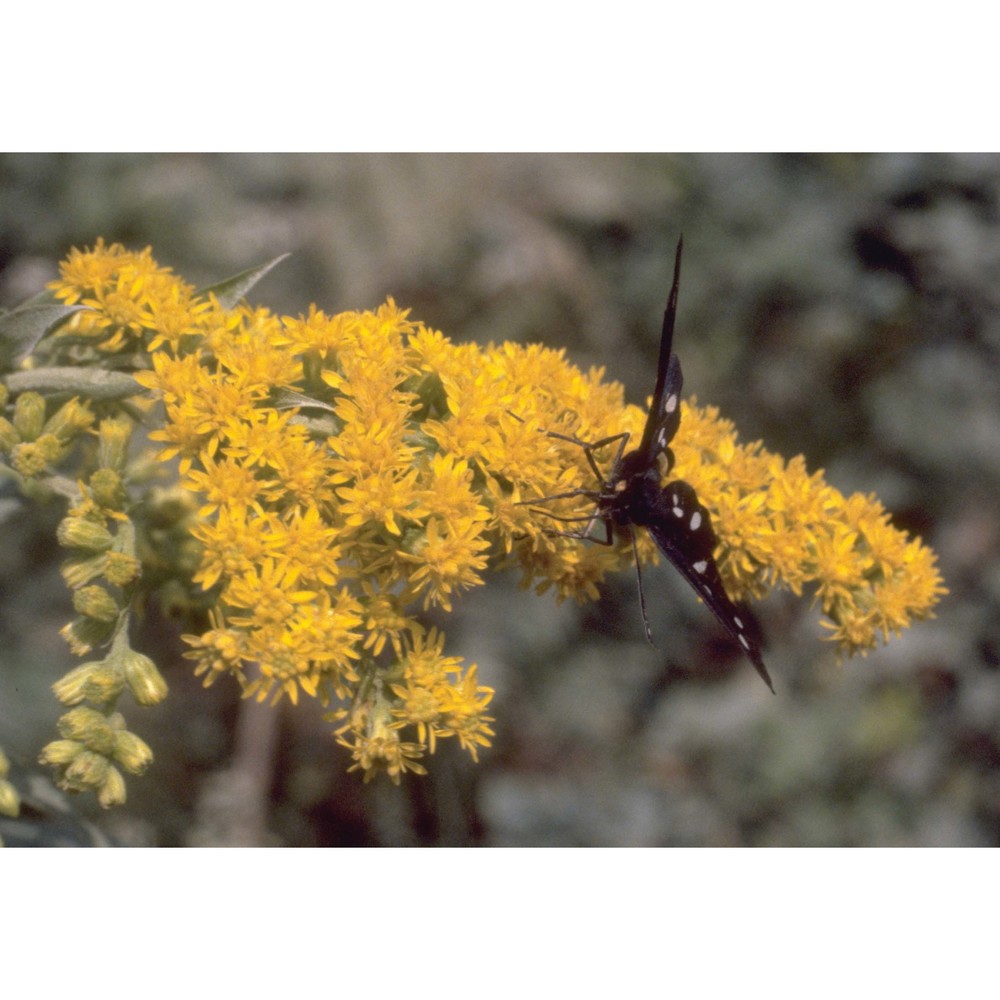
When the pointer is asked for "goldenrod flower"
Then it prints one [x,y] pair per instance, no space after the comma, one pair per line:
[128,294]
[349,470]
[438,698]
[217,652]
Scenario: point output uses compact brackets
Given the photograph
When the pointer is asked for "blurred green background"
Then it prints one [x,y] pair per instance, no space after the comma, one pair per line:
[840,306]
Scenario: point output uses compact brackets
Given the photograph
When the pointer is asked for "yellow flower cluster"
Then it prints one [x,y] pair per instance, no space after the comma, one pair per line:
[778,524]
[351,470]
[133,303]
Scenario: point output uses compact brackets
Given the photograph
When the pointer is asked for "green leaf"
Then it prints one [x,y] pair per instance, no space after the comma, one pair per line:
[230,291]
[92,383]
[22,328]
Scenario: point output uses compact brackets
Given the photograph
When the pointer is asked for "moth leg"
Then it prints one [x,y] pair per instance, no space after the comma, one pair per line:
[584,535]
[589,447]
[598,496]
[589,494]
[575,518]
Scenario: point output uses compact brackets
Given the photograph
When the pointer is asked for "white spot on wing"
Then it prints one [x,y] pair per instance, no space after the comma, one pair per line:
[739,623]
[695,520]
[700,566]
[677,511]
[744,643]
[671,403]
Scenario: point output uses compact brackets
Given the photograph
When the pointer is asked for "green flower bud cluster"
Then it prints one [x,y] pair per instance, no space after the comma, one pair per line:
[10,801]
[93,750]
[33,444]
[95,746]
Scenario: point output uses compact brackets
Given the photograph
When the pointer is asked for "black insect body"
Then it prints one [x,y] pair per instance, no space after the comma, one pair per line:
[632,497]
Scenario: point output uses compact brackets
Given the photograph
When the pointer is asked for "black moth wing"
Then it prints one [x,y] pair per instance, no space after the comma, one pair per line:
[665,410]
[682,528]
[664,418]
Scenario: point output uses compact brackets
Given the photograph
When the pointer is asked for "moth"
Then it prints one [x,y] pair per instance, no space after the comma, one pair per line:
[632,496]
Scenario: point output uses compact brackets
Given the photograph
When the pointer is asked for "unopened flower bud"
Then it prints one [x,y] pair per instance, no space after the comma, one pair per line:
[87,771]
[131,752]
[121,569]
[69,421]
[112,792]
[89,727]
[60,752]
[54,449]
[145,682]
[71,689]
[79,572]
[83,634]
[83,533]
[107,488]
[105,684]
[95,602]
[10,801]
[113,439]
[29,415]
[8,436]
